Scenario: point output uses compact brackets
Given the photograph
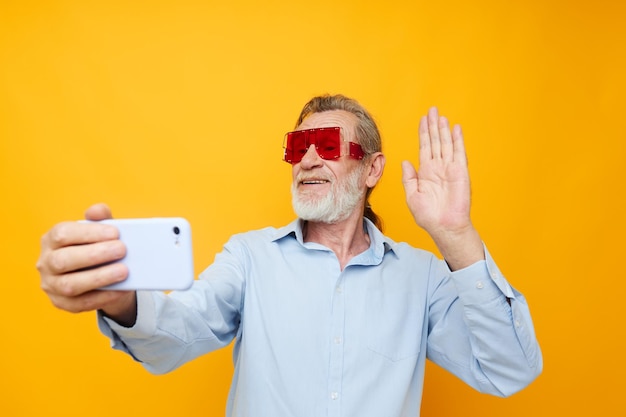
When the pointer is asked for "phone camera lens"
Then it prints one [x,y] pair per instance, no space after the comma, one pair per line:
[176,230]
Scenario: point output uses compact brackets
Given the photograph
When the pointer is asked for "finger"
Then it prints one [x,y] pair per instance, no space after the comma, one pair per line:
[459,145]
[98,211]
[76,284]
[433,130]
[77,257]
[408,172]
[424,140]
[75,233]
[447,149]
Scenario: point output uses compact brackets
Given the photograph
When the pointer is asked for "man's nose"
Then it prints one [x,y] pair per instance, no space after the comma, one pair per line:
[311,157]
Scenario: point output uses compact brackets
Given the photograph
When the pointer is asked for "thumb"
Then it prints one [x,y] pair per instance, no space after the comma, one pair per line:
[98,211]
[408,173]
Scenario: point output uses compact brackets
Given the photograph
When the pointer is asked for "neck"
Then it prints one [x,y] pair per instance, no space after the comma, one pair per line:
[346,239]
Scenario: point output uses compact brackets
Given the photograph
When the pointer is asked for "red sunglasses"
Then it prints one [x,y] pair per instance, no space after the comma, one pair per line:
[327,141]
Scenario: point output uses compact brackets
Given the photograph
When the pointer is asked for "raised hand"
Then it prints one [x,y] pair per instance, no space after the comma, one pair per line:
[69,271]
[438,195]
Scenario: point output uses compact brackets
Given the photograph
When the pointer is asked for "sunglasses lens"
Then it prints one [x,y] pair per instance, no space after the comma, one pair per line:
[328,143]
[296,146]
[356,151]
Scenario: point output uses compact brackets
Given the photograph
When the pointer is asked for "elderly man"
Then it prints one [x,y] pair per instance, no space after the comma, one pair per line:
[329,316]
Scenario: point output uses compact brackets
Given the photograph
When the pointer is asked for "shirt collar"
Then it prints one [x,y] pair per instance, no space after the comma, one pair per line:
[379,243]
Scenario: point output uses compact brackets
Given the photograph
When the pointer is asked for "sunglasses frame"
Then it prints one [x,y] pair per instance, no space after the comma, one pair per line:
[355,150]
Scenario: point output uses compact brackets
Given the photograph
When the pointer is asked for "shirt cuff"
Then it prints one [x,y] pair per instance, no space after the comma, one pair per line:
[144,327]
[481,281]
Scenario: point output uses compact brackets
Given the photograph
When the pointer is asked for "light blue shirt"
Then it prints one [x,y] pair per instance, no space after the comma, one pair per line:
[313,340]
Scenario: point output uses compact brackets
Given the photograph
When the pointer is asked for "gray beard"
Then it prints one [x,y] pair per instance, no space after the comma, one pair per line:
[337,205]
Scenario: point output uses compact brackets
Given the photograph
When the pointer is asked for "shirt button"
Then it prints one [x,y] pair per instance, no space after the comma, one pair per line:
[518,324]
[337,340]
[494,276]
[339,290]
[334,395]
[479,285]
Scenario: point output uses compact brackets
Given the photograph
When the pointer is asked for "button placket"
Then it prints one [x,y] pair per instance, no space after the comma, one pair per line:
[336,338]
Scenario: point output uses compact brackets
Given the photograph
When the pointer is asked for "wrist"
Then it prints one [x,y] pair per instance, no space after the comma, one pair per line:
[123,310]
[460,248]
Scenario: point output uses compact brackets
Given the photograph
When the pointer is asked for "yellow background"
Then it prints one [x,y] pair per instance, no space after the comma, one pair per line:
[179,107]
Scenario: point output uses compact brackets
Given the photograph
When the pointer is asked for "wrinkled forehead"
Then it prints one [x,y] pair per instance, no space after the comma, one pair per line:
[341,118]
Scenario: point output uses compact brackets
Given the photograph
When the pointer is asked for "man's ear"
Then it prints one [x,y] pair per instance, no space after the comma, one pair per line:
[376,168]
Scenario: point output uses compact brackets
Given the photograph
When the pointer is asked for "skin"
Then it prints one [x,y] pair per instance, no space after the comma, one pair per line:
[71,246]
[438,196]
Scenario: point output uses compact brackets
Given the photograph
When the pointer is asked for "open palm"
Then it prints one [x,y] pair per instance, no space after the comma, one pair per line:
[438,195]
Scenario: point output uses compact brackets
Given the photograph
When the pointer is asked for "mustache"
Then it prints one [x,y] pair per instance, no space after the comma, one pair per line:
[311,177]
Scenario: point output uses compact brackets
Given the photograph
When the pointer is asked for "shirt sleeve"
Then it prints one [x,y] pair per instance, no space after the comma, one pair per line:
[481,330]
[172,329]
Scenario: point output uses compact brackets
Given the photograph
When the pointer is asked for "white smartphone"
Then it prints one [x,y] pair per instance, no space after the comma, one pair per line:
[159,254]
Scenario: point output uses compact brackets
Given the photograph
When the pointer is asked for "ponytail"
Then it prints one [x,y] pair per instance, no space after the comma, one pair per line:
[373,217]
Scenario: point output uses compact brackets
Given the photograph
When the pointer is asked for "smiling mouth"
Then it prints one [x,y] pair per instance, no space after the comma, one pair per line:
[309,182]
